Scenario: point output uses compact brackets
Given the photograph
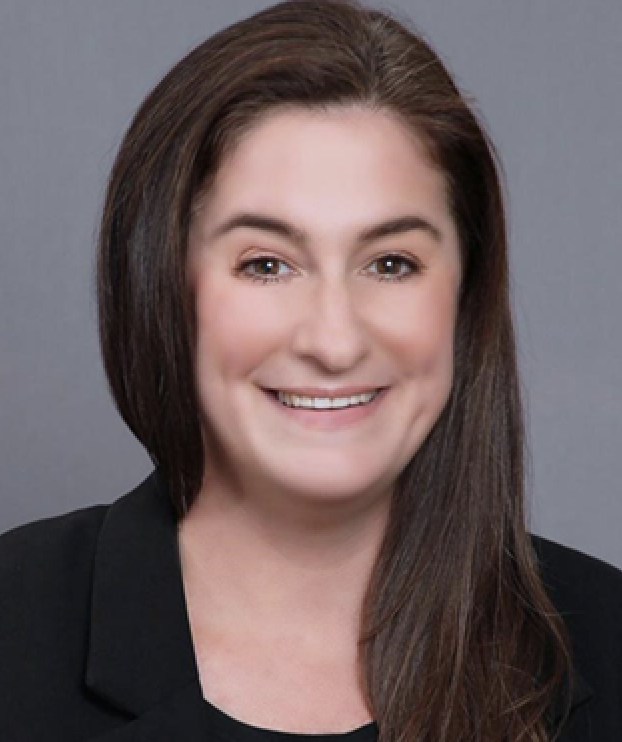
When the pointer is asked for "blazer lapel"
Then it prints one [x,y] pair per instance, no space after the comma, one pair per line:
[180,716]
[140,657]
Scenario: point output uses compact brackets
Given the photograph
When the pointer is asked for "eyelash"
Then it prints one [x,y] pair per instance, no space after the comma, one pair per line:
[414,266]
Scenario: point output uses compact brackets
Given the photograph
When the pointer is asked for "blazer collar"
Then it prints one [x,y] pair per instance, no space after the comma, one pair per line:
[141,658]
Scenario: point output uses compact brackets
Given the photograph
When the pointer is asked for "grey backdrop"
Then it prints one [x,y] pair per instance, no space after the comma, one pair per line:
[548,77]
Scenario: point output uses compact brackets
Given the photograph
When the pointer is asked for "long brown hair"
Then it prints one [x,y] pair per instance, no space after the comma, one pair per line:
[459,640]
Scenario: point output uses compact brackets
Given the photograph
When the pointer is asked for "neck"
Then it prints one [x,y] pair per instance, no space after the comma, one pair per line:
[252,566]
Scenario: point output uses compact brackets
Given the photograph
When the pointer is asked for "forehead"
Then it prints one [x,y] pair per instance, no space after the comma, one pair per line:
[339,161]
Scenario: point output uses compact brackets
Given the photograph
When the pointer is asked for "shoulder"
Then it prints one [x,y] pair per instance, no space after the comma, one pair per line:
[587,594]
[45,566]
[55,532]
[47,570]
[578,582]
[50,542]
[586,591]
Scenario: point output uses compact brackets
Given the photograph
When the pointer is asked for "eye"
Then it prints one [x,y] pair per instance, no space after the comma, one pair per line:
[264,276]
[393,260]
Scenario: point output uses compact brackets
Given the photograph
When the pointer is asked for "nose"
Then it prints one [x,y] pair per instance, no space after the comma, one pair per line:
[331,331]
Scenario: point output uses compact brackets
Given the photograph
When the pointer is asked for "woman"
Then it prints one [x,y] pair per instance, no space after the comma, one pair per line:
[304,318]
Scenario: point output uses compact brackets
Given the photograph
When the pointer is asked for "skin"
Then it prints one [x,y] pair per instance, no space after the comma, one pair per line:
[277,550]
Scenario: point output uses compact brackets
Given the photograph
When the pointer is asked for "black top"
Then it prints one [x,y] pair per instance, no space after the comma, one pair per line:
[233,730]
[95,644]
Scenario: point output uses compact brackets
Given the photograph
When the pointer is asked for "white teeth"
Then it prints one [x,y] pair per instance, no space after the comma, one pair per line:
[324,403]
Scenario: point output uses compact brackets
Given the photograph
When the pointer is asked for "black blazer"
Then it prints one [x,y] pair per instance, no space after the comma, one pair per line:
[95,644]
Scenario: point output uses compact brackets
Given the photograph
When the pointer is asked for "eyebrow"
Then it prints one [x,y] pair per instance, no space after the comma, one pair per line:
[395,226]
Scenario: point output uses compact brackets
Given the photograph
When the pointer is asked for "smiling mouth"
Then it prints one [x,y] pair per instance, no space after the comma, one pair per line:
[274,393]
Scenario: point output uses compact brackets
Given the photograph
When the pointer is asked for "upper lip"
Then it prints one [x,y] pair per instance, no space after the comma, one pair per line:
[314,391]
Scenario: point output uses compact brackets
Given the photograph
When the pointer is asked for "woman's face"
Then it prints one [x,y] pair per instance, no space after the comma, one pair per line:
[289,295]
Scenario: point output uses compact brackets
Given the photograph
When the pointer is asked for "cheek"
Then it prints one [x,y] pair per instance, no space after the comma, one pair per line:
[434,332]
[234,326]
[423,333]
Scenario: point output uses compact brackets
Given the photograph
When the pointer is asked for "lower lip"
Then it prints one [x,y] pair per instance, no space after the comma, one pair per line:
[330,419]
